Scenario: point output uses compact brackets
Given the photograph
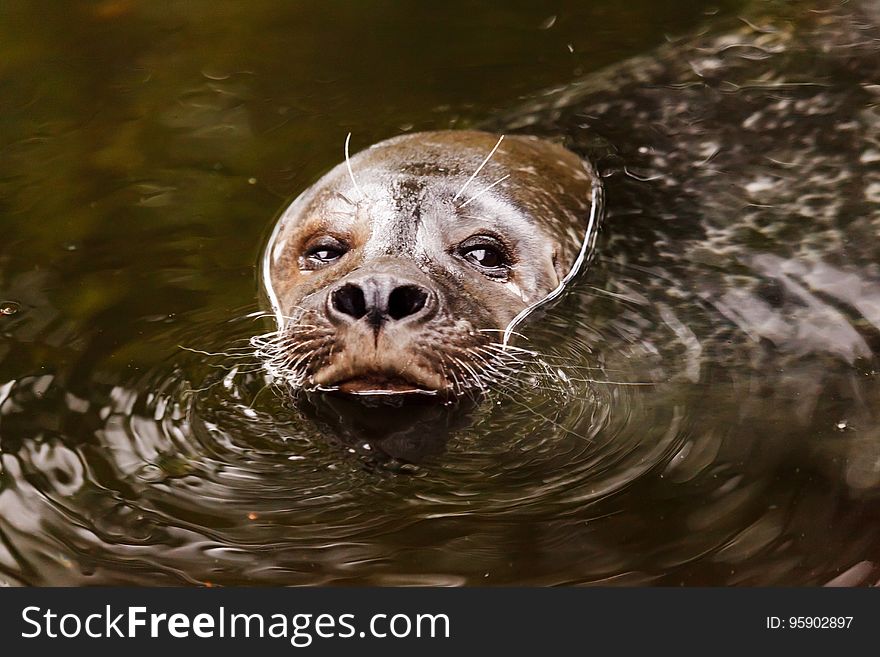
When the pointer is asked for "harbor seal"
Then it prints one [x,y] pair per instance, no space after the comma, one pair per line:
[400,270]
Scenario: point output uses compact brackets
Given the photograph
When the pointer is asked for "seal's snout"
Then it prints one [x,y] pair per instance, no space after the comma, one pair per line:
[380,315]
[379,299]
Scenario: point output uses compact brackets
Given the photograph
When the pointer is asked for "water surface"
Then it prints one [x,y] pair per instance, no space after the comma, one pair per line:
[146,150]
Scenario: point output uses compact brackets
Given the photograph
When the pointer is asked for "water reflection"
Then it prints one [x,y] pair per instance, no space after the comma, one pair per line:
[409,432]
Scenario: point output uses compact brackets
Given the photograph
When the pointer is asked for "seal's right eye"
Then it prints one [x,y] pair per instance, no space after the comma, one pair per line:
[322,252]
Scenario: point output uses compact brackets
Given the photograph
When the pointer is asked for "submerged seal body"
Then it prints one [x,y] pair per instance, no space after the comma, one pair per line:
[742,167]
[399,270]
[743,163]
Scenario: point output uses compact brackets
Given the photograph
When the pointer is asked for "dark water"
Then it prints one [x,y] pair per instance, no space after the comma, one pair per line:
[146,149]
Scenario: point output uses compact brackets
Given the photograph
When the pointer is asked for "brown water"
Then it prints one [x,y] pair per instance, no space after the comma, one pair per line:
[146,149]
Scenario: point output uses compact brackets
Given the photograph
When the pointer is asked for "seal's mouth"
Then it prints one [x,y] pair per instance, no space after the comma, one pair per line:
[374,380]
[382,384]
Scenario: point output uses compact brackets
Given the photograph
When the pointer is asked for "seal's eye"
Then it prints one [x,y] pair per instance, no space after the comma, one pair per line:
[487,254]
[322,252]
[325,255]
[484,256]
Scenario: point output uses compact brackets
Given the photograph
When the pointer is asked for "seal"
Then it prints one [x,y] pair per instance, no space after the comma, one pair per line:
[400,269]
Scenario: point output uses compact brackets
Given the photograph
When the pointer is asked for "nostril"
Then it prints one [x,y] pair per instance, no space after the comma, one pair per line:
[406,300]
[349,300]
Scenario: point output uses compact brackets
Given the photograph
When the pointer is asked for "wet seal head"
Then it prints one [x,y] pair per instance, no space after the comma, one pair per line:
[401,270]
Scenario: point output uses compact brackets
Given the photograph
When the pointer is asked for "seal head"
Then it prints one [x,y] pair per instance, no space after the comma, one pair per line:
[399,270]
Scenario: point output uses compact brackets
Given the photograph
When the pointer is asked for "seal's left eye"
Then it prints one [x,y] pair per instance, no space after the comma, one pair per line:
[322,252]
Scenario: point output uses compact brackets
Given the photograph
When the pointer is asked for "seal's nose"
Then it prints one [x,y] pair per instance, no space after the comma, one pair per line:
[379,298]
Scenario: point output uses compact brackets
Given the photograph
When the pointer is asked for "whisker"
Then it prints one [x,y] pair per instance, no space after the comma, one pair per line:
[614,295]
[470,370]
[348,166]
[479,168]
[553,422]
[491,330]
[484,190]
[227,354]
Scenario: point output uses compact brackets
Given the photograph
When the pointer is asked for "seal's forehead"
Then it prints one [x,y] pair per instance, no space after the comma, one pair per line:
[455,157]
[453,153]
[478,159]
[530,163]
